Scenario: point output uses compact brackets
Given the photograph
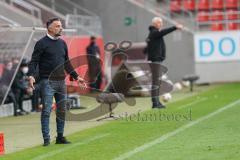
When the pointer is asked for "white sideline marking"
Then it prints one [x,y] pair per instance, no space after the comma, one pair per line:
[192,103]
[68,147]
[173,133]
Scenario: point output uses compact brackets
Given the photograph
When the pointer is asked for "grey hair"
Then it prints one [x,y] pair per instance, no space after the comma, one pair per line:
[156,19]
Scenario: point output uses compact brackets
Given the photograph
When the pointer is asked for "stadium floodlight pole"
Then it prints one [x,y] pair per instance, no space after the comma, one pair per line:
[24,52]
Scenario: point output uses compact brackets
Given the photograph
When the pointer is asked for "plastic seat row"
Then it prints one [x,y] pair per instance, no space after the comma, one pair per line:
[203,5]
[228,26]
[204,16]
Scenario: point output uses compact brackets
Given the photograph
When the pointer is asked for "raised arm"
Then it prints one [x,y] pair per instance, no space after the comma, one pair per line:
[163,32]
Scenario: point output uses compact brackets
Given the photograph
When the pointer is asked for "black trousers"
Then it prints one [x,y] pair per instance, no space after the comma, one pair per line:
[11,98]
[95,74]
[155,70]
[19,95]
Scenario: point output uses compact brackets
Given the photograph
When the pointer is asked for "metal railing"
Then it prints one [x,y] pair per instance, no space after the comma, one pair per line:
[18,42]
[77,9]
[77,17]
[90,25]
[26,7]
[67,7]
[6,22]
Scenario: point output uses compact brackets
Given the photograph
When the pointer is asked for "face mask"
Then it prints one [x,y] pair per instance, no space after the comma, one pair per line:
[25,70]
[9,67]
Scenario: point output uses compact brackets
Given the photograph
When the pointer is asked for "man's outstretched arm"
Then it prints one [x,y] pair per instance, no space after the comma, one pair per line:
[166,31]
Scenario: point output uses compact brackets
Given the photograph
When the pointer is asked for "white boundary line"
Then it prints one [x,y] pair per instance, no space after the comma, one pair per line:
[173,133]
[192,103]
[68,147]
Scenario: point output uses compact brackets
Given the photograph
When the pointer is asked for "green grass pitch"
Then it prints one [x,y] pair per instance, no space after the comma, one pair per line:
[200,127]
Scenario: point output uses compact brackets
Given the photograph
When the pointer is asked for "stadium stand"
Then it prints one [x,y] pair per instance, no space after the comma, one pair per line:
[4,21]
[189,5]
[47,12]
[203,5]
[21,12]
[17,19]
[72,14]
[215,15]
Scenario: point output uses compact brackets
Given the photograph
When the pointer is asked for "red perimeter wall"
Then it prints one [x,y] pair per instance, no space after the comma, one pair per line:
[77,47]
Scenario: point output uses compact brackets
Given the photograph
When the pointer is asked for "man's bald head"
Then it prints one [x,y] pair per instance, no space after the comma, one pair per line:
[157,22]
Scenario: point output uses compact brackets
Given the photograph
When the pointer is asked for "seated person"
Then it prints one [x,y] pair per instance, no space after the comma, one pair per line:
[20,85]
[6,78]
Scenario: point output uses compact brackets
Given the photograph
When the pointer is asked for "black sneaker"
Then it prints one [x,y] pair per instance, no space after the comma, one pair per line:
[46,142]
[18,114]
[62,140]
[159,106]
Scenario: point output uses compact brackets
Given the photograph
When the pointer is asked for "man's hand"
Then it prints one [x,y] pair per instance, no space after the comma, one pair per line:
[179,26]
[31,81]
[97,56]
[81,83]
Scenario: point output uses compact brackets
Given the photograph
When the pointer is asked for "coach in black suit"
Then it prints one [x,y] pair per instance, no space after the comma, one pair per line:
[156,50]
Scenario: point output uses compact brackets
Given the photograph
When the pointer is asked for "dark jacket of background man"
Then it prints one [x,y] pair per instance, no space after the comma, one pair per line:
[156,48]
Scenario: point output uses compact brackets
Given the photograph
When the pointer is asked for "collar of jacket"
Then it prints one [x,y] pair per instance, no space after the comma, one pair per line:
[152,28]
[51,37]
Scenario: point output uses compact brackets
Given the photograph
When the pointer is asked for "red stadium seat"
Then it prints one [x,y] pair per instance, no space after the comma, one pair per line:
[177,0]
[233,26]
[189,5]
[175,6]
[202,16]
[1,69]
[203,5]
[217,4]
[217,27]
[232,15]
[217,16]
[231,4]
